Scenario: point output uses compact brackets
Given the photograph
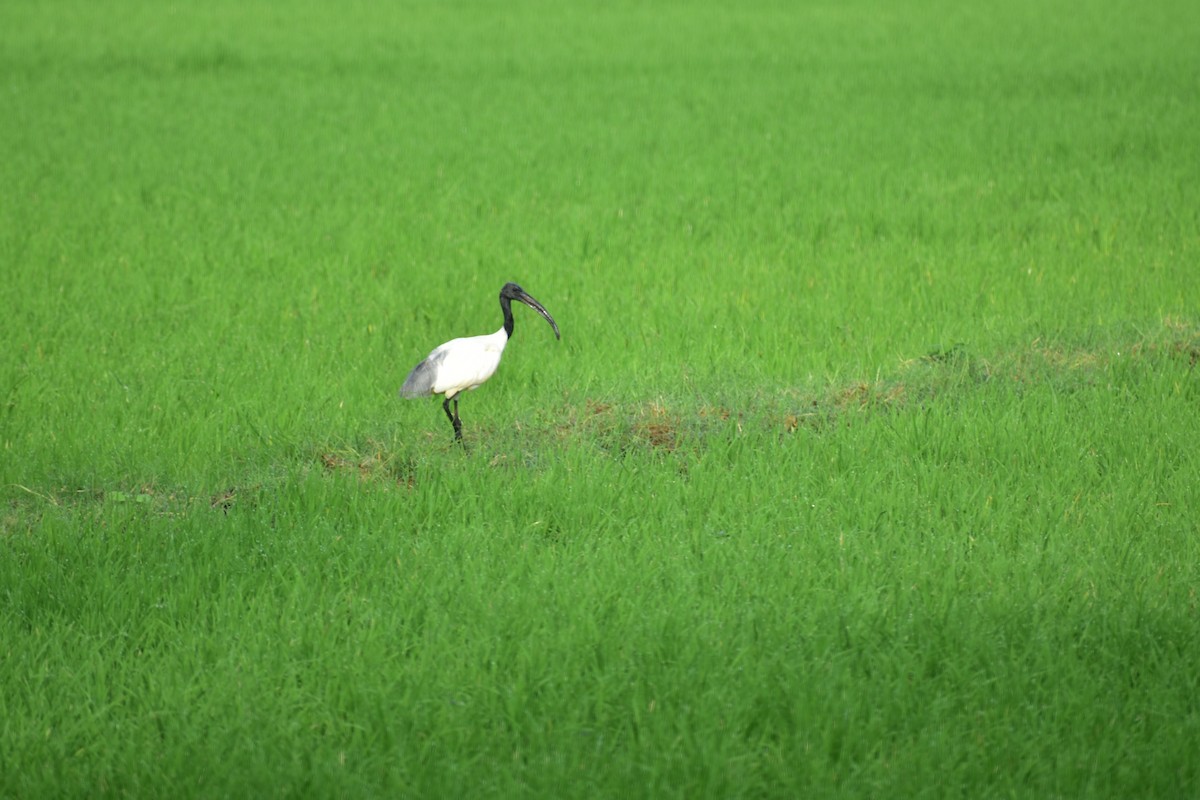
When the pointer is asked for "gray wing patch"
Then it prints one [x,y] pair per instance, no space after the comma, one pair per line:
[419,382]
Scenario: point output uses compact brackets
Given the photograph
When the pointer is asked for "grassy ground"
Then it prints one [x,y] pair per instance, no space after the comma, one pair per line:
[865,465]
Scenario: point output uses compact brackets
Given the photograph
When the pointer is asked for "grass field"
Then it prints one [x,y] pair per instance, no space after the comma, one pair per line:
[866,466]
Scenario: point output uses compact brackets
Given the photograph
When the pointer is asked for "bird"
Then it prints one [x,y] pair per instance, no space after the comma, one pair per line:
[464,364]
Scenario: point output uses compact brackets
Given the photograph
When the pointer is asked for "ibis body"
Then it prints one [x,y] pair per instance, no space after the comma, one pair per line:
[461,365]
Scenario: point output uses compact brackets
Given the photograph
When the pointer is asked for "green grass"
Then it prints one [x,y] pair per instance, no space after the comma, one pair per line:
[865,466]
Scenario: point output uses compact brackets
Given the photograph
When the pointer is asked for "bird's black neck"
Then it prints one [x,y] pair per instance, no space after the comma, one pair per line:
[506,306]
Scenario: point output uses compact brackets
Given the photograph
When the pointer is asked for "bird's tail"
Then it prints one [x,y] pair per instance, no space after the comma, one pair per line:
[419,382]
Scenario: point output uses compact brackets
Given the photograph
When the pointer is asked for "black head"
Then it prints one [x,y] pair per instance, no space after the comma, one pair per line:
[512,291]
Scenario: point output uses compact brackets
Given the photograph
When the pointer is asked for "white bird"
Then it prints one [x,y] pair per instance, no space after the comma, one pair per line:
[464,364]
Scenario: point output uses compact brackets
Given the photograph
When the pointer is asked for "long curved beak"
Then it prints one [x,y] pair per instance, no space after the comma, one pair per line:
[528,300]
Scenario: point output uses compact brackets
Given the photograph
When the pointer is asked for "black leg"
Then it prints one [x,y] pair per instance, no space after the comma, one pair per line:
[457,426]
[457,422]
[454,420]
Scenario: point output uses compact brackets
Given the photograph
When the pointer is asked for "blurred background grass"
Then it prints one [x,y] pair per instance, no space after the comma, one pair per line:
[258,216]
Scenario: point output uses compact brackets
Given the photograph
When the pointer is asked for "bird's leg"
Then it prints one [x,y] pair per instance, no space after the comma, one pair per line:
[449,416]
[454,420]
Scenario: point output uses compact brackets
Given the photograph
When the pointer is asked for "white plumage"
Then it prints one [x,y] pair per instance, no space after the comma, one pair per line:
[459,365]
